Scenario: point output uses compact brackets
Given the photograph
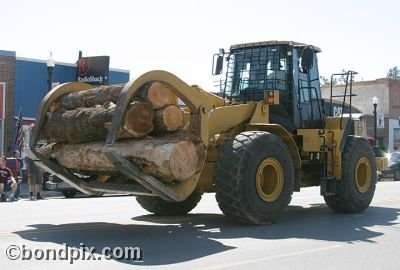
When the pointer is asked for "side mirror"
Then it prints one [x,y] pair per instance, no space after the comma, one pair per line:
[307,58]
[218,62]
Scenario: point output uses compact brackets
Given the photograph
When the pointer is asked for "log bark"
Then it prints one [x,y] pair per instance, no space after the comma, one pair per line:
[79,125]
[165,160]
[158,94]
[88,98]
[168,119]
[92,124]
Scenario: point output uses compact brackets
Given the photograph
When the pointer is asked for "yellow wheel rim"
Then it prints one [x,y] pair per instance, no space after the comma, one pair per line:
[363,175]
[269,179]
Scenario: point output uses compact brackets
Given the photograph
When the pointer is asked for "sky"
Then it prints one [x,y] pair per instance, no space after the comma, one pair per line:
[181,36]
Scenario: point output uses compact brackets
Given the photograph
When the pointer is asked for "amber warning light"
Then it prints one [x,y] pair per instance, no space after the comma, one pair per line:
[271,97]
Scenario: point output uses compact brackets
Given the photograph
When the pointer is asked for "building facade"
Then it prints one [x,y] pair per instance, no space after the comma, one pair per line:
[24,83]
[388,108]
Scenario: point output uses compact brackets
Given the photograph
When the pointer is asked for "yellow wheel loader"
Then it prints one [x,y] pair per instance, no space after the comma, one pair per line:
[265,135]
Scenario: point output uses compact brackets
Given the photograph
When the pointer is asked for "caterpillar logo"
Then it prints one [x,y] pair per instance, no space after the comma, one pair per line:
[337,111]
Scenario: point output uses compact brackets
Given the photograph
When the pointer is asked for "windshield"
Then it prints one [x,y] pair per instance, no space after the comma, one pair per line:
[253,70]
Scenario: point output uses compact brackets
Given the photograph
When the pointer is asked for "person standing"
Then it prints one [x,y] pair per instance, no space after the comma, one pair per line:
[18,176]
[35,179]
[7,182]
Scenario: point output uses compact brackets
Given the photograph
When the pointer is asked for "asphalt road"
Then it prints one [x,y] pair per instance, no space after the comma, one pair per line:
[53,233]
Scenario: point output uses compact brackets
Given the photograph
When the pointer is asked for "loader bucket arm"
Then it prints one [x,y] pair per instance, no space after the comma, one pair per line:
[197,101]
[199,106]
[39,160]
[50,97]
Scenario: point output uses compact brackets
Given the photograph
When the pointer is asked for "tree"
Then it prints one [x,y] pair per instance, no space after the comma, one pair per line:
[337,80]
[393,73]
[343,78]
[325,81]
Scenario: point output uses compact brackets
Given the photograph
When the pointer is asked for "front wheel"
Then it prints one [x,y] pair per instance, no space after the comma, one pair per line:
[160,207]
[254,178]
[69,193]
[354,192]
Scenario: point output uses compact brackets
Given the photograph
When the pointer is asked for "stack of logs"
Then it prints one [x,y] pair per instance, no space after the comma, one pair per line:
[77,125]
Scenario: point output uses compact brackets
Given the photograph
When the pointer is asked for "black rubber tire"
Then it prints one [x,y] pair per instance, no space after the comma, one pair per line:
[160,207]
[69,193]
[396,175]
[235,178]
[348,199]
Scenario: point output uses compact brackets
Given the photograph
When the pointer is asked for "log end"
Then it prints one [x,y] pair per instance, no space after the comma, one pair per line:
[138,120]
[160,95]
[168,119]
[184,161]
[173,118]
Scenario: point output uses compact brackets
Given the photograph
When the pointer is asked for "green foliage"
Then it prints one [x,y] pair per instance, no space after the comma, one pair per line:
[337,80]
[325,81]
[393,73]
[342,79]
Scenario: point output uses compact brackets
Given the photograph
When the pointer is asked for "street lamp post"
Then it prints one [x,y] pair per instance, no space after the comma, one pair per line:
[375,101]
[50,68]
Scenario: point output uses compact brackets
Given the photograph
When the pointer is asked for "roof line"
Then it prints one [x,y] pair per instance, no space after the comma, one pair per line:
[64,64]
[273,42]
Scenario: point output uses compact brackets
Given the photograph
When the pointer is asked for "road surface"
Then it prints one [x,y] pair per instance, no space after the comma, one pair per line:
[79,231]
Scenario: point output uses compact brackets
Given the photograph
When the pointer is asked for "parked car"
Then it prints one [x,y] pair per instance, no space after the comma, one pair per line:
[394,167]
[56,184]
[45,178]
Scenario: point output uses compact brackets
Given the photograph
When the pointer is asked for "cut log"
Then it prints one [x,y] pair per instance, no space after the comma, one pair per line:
[168,119]
[158,94]
[165,160]
[138,120]
[79,125]
[89,98]
[92,124]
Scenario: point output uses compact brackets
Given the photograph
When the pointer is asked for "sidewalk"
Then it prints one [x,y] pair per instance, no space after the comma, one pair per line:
[44,193]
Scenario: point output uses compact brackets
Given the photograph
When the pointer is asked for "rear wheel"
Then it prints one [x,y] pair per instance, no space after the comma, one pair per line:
[254,178]
[354,192]
[160,207]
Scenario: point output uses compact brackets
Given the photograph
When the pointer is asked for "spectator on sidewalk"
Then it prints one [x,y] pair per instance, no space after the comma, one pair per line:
[35,179]
[8,185]
[18,174]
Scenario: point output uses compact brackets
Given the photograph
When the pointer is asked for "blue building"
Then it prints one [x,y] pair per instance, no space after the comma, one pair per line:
[24,83]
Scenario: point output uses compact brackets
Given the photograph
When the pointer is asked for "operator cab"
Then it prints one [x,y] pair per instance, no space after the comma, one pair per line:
[287,67]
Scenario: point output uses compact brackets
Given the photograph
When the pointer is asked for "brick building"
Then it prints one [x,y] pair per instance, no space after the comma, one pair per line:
[388,108]
[7,86]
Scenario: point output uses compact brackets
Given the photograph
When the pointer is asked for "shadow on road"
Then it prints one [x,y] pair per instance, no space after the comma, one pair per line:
[168,240]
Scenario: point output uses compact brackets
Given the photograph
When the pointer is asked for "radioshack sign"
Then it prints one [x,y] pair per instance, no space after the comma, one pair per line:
[93,70]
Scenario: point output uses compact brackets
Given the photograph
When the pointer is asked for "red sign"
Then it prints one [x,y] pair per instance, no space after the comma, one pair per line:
[2,99]
[83,66]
